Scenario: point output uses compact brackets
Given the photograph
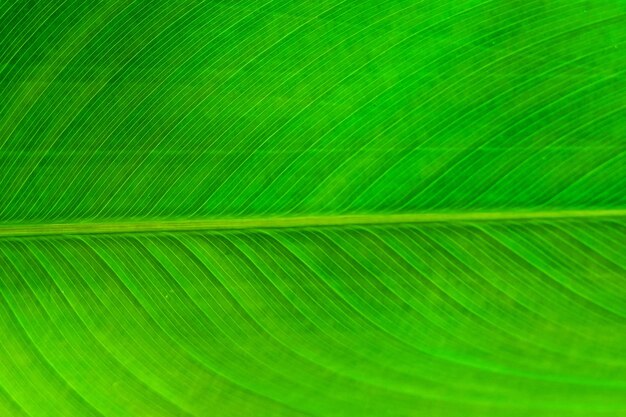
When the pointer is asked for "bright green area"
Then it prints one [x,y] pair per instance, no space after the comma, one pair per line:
[499,319]
[496,118]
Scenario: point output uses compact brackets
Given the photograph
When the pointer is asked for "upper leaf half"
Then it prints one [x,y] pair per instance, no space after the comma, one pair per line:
[117,110]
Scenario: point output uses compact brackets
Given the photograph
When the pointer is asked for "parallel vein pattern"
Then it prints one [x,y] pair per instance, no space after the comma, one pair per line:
[330,208]
[195,109]
[489,319]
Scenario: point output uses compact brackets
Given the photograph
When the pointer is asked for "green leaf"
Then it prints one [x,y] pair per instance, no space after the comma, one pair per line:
[297,208]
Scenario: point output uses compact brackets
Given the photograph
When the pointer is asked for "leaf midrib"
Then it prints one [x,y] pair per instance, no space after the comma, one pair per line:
[150,226]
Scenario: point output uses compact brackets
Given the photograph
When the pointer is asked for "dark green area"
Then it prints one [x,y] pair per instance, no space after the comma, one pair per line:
[211,108]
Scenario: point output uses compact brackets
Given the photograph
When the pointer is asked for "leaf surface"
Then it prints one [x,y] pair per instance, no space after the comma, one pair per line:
[296,208]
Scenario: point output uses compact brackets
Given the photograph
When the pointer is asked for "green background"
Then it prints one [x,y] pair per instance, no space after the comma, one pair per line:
[127,112]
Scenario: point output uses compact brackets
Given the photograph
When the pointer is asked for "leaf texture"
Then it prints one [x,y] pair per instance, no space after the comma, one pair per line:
[501,318]
[258,108]
[312,208]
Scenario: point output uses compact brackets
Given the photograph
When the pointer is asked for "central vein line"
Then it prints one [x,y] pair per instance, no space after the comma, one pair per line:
[148,226]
